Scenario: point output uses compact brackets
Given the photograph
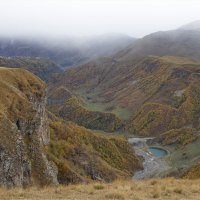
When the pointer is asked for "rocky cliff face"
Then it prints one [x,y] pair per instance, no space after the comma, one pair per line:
[24,131]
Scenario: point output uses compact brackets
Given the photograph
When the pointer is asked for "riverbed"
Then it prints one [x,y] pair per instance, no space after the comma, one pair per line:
[153,166]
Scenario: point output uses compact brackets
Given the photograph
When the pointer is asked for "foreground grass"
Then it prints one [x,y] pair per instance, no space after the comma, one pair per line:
[169,189]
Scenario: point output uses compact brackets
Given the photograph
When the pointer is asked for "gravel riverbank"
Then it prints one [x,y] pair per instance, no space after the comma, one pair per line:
[153,166]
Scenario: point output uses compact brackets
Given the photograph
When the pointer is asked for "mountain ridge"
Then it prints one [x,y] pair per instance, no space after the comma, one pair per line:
[195,25]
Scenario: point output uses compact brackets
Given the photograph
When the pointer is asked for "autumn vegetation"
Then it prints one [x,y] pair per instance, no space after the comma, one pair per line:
[162,189]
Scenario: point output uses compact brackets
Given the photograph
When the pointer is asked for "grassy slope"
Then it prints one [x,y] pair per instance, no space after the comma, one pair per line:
[43,68]
[178,137]
[104,83]
[16,86]
[114,81]
[82,155]
[175,102]
[193,172]
[164,189]
[117,84]
[184,43]
[92,102]
[162,92]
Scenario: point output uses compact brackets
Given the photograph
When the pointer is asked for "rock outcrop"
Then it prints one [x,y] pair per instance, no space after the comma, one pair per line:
[24,131]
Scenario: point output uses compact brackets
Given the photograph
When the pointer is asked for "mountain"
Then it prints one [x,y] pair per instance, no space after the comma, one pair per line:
[195,26]
[181,43]
[152,86]
[60,100]
[148,90]
[37,148]
[65,52]
[113,84]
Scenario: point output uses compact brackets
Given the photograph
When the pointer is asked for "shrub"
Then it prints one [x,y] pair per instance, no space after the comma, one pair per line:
[98,187]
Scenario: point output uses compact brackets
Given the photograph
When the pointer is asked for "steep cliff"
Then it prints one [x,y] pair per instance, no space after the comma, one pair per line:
[24,130]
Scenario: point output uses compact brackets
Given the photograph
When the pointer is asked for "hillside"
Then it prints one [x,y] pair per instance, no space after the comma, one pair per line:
[29,137]
[180,42]
[82,155]
[191,26]
[99,100]
[111,86]
[142,90]
[43,68]
[164,189]
[151,87]
[66,105]
[173,97]
[155,97]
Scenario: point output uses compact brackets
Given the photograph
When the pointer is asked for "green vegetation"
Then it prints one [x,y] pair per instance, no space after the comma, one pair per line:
[91,103]
[67,106]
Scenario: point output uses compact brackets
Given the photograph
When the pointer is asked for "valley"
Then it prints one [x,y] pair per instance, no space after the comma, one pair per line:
[93,102]
[127,114]
[160,94]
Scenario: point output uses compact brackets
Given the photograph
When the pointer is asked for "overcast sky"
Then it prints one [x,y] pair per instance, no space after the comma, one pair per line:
[90,17]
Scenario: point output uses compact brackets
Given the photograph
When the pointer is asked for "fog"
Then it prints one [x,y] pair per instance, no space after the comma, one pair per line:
[58,18]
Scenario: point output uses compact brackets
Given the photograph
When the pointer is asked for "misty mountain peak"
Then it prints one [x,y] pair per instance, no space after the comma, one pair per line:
[195,26]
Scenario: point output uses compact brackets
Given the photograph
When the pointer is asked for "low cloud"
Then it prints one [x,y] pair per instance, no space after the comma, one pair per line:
[87,17]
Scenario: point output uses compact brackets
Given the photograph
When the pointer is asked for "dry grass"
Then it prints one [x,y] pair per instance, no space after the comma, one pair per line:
[162,189]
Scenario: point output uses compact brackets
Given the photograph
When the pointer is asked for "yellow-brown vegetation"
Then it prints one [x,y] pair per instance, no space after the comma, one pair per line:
[82,155]
[163,189]
[193,172]
[67,106]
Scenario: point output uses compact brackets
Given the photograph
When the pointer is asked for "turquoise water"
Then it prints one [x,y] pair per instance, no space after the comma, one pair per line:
[158,152]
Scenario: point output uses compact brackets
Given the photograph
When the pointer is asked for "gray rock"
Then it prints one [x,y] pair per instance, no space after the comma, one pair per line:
[23,161]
